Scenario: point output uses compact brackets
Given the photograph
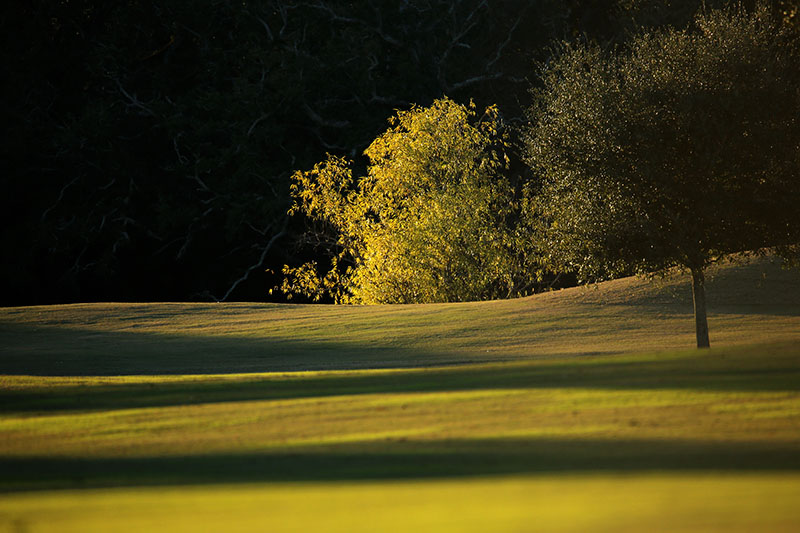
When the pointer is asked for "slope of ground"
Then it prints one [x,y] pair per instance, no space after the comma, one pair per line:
[581,410]
[758,300]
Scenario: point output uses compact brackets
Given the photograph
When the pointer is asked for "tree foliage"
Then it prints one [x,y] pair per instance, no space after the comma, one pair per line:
[149,144]
[433,219]
[679,148]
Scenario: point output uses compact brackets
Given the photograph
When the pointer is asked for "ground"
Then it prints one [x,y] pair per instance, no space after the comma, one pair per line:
[579,410]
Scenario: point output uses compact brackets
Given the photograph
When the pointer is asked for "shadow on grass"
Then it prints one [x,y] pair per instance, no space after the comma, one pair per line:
[773,367]
[67,351]
[390,460]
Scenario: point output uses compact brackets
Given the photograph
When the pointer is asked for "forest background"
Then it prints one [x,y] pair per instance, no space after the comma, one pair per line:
[148,146]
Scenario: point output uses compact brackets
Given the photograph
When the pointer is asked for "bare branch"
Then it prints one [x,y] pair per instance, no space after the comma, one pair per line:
[499,51]
[266,27]
[107,185]
[256,122]
[313,115]
[58,200]
[474,80]
[134,101]
[261,259]
[459,33]
[181,158]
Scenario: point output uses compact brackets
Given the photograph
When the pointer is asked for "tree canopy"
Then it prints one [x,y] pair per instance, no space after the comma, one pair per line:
[676,149]
[433,219]
[149,145]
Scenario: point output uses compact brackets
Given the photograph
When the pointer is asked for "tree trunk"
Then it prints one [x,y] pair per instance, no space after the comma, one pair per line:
[699,299]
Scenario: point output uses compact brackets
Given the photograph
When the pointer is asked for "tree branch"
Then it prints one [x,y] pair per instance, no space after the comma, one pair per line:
[260,262]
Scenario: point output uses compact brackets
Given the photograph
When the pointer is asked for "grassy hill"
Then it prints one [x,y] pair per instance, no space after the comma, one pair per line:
[579,410]
[747,303]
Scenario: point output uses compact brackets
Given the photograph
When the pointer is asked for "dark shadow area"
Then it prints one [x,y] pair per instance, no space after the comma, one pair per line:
[402,460]
[773,367]
[65,351]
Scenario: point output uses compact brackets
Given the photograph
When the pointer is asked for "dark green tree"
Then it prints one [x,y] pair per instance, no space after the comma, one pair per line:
[673,151]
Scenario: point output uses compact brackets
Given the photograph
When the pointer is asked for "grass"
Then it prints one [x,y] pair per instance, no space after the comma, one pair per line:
[613,503]
[582,410]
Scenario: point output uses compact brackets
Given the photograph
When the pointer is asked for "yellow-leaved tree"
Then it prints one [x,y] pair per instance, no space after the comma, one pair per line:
[434,219]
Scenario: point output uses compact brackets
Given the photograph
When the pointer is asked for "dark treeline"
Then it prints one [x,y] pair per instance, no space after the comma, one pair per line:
[148,145]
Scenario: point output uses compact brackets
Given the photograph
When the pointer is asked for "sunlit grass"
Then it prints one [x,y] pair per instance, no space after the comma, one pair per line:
[572,503]
[584,410]
[663,441]
[737,394]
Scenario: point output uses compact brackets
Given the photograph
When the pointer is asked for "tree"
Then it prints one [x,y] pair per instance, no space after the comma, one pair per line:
[675,150]
[433,219]
[149,144]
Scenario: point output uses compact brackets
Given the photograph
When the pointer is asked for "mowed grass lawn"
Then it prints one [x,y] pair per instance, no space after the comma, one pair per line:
[580,410]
